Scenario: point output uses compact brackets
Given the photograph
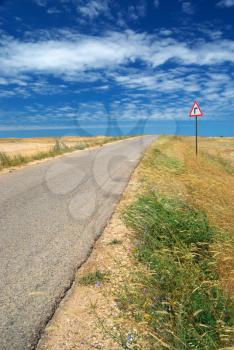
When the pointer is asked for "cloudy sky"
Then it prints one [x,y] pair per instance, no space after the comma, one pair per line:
[79,62]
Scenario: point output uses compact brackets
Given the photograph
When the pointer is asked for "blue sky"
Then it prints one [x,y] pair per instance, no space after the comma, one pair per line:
[69,64]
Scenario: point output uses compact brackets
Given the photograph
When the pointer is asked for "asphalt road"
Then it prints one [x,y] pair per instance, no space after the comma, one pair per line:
[50,216]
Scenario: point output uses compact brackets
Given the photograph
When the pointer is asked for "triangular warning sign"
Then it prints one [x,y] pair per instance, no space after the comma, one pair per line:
[196,110]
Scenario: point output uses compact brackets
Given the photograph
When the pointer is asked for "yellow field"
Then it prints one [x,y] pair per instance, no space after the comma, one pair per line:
[31,146]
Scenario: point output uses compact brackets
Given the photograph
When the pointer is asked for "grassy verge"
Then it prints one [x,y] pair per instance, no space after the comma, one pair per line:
[59,148]
[179,291]
[180,298]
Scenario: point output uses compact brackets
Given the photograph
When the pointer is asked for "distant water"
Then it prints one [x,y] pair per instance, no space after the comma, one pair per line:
[187,128]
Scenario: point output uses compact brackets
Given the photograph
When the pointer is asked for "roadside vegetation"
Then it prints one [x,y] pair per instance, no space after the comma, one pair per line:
[179,294]
[58,148]
[96,278]
[161,274]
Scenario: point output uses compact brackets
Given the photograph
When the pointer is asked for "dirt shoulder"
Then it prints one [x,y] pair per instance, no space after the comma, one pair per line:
[76,323]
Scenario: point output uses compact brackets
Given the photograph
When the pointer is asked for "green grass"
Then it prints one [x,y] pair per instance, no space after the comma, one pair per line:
[9,161]
[179,299]
[161,160]
[80,146]
[115,242]
[5,160]
[93,278]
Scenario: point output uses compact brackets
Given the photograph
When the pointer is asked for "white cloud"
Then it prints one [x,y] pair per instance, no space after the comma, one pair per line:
[70,54]
[137,10]
[42,3]
[93,8]
[101,62]
[187,8]
[132,13]
[53,11]
[163,81]
[225,3]
[166,32]
[211,33]
[141,8]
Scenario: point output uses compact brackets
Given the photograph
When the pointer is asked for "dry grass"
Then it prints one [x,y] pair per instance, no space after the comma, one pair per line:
[31,146]
[179,302]
[206,182]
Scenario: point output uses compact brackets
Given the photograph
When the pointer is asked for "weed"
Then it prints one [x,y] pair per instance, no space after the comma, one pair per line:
[93,278]
[80,146]
[115,242]
[4,159]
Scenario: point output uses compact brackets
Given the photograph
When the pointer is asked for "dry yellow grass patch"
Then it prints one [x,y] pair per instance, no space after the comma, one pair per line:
[206,182]
[31,146]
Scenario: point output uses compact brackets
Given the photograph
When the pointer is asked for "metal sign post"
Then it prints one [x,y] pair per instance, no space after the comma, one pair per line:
[196,112]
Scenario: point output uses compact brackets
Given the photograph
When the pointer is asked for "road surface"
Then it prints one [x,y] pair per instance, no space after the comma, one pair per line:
[50,216]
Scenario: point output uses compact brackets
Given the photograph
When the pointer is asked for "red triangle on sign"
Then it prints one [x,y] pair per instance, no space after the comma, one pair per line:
[196,110]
